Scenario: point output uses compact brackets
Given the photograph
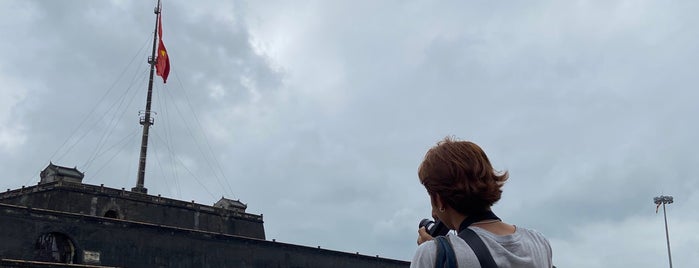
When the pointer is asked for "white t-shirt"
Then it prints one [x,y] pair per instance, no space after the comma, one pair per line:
[523,249]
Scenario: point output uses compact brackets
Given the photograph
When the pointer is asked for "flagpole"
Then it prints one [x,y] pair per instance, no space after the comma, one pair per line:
[665,200]
[146,120]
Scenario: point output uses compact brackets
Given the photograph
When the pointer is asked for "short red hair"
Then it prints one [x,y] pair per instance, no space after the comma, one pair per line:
[461,174]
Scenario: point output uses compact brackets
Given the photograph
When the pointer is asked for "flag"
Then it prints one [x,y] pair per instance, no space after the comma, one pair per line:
[162,62]
[656,208]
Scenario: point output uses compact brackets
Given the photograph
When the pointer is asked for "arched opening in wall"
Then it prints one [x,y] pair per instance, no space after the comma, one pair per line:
[111,214]
[55,247]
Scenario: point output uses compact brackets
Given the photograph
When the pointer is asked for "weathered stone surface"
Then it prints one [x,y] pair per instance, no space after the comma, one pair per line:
[102,201]
[61,222]
[124,243]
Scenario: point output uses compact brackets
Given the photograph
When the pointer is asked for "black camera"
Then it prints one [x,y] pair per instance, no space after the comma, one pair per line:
[434,228]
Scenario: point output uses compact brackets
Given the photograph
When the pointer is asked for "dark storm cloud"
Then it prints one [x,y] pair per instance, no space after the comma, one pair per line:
[79,48]
[320,112]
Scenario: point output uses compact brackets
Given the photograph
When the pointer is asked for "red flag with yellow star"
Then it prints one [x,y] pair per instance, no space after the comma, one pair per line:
[162,62]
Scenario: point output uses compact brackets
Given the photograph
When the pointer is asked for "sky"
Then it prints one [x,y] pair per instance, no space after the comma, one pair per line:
[316,114]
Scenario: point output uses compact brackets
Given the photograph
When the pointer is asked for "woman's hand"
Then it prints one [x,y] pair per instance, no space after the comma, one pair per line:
[423,236]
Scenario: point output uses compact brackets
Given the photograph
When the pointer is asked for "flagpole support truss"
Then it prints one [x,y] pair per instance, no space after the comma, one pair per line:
[142,117]
[162,64]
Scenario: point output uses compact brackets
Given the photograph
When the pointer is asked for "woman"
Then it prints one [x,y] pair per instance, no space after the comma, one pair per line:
[463,186]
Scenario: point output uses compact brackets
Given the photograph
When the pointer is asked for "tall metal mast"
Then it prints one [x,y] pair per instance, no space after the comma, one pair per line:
[665,200]
[146,120]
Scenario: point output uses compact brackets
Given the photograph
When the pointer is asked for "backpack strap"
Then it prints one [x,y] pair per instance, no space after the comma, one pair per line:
[474,241]
[445,253]
[446,257]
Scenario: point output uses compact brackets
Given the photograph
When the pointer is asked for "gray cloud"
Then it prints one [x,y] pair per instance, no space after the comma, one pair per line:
[320,112]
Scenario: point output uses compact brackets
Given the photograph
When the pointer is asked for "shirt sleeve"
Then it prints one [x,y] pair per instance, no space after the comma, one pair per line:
[424,255]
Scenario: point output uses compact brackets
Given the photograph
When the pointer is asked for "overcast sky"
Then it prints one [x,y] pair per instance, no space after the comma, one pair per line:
[318,113]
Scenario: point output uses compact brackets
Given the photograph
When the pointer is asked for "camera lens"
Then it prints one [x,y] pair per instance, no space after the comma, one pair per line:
[434,228]
[428,224]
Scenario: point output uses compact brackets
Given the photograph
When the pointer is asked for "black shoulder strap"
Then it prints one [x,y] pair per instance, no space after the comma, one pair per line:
[484,257]
[474,241]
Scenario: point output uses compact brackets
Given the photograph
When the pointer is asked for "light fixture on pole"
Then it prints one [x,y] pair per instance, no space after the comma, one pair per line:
[664,200]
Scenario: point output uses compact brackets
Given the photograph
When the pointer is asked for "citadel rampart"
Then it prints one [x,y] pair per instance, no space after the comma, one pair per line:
[121,204]
[98,240]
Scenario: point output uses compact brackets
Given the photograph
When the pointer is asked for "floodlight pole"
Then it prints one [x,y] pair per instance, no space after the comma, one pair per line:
[665,200]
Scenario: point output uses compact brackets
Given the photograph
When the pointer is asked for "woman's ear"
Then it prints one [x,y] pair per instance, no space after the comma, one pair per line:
[437,201]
